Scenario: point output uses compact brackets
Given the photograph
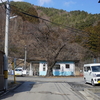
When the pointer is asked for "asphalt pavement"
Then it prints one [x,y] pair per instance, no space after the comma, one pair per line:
[61,88]
[43,91]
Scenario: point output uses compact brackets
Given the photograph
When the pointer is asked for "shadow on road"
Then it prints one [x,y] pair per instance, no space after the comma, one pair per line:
[24,86]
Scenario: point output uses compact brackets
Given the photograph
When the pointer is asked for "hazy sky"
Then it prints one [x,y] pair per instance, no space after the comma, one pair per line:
[90,6]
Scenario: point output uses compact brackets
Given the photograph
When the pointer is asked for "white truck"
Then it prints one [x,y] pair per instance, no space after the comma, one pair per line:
[92,73]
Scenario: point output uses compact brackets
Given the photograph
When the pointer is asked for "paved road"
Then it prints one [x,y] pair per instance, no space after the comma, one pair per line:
[37,88]
[43,91]
[52,79]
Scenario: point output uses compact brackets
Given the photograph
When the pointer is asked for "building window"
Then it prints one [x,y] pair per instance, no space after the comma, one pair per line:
[67,66]
[43,67]
[57,67]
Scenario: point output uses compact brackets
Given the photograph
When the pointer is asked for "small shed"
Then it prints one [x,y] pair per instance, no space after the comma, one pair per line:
[42,68]
[61,68]
[65,68]
[1,70]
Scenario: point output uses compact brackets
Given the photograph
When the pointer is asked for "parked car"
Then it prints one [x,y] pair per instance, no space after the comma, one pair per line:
[19,71]
[92,73]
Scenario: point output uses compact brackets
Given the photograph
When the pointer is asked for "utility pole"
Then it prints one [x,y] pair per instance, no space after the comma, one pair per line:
[25,58]
[6,45]
[14,70]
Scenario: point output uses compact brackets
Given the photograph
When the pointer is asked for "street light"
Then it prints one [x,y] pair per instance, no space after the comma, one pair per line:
[99,1]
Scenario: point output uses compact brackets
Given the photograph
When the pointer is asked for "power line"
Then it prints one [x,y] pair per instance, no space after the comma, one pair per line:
[74,29]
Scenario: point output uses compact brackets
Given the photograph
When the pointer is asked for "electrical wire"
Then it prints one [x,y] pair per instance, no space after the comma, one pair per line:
[25,13]
[73,29]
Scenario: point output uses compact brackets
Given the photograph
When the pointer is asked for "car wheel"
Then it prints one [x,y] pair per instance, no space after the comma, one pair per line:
[92,82]
[22,75]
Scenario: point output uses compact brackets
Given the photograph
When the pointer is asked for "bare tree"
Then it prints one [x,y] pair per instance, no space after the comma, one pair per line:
[50,44]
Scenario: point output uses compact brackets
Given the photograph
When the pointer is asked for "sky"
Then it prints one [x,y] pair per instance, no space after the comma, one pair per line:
[90,6]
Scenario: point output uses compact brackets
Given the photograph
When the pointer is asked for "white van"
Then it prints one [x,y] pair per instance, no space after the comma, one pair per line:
[92,73]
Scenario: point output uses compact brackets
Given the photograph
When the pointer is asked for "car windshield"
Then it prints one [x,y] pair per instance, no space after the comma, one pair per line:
[18,69]
[95,68]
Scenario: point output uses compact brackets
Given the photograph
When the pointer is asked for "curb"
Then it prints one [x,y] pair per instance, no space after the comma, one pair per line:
[92,94]
[16,85]
[13,85]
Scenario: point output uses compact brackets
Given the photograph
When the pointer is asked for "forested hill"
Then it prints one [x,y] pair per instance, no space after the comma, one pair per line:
[78,19]
[51,33]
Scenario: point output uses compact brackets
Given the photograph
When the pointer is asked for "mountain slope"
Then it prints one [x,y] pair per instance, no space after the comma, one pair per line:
[44,39]
[78,19]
